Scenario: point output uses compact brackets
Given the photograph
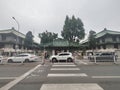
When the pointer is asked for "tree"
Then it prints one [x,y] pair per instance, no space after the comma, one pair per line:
[47,37]
[28,39]
[91,39]
[73,29]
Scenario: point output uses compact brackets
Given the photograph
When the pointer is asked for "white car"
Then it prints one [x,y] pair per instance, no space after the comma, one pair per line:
[67,56]
[25,57]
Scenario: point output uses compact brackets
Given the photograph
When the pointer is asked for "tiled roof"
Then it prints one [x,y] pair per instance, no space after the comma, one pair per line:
[60,43]
[105,31]
[12,30]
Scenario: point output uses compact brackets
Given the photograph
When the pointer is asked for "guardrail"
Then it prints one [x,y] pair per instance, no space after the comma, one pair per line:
[106,58]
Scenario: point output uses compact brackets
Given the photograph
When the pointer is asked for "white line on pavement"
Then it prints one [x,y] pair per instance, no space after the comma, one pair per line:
[83,62]
[65,69]
[81,86]
[105,76]
[14,82]
[63,65]
[8,77]
[67,75]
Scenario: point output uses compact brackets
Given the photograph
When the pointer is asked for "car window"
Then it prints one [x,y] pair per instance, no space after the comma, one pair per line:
[64,54]
[106,54]
[24,55]
[18,56]
[21,55]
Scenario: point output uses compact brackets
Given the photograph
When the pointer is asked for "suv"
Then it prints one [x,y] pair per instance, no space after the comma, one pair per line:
[67,56]
[24,57]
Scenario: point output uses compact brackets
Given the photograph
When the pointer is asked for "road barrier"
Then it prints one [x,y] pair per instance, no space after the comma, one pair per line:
[106,58]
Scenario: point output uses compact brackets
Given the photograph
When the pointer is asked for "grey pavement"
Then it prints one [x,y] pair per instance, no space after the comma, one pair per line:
[82,76]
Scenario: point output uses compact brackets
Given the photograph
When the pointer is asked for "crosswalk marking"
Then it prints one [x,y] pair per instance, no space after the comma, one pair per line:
[83,62]
[76,86]
[64,65]
[64,69]
[81,86]
[67,75]
[105,76]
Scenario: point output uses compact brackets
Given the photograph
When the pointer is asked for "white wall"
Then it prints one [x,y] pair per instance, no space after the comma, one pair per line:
[8,46]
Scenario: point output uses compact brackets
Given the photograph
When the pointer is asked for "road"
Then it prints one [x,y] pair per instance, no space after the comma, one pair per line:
[57,76]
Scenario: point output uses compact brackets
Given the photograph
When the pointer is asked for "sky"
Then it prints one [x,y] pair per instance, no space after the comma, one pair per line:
[41,15]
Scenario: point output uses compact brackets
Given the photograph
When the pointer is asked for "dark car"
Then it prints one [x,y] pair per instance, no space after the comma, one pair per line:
[104,57]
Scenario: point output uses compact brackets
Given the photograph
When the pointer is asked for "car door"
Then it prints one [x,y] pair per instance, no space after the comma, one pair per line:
[65,56]
[18,58]
[60,57]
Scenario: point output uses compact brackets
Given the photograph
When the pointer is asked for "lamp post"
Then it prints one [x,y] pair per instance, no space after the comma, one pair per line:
[16,46]
[16,22]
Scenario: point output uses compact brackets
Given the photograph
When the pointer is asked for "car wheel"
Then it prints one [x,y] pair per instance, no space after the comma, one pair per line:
[26,60]
[69,60]
[54,60]
[10,61]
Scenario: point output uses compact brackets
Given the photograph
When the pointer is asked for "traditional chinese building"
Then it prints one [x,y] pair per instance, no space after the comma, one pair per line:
[106,40]
[12,41]
[59,45]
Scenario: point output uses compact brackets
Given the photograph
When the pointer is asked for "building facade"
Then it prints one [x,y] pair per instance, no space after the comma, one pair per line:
[12,41]
[105,39]
[108,39]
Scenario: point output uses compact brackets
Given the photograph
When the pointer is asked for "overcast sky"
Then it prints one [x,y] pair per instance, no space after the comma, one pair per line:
[40,15]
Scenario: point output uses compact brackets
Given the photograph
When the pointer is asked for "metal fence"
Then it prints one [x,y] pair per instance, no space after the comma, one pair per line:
[99,59]
[105,59]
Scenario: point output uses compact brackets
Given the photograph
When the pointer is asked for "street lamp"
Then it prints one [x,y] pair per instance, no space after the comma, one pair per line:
[16,46]
[16,22]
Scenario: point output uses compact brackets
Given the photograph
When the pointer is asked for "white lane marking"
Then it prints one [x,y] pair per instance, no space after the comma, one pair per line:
[81,86]
[105,76]
[67,75]
[83,62]
[65,69]
[8,77]
[63,65]
[14,82]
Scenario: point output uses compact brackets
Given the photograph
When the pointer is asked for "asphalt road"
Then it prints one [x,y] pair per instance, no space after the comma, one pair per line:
[66,76]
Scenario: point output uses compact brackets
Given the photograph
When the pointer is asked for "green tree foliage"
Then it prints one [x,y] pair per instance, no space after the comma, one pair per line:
[92,40]
[73,29]
[28,39]
[47,37]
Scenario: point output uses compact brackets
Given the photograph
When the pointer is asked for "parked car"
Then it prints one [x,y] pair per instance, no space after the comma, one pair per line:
[64,56]
[104,57]
[24,57]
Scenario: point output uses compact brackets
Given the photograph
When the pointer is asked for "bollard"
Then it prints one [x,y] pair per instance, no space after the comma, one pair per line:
[114,59]
[43,60]
[94,58]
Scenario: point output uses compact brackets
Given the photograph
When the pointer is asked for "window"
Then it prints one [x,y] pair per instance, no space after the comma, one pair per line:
[114,39]
[3,37]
